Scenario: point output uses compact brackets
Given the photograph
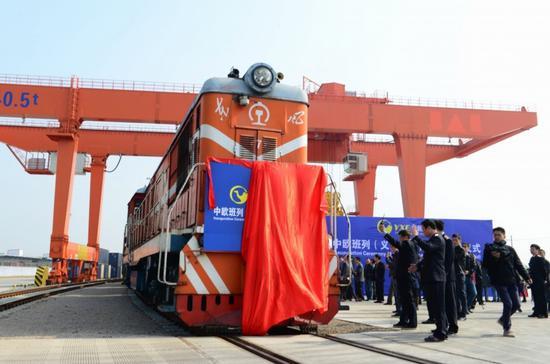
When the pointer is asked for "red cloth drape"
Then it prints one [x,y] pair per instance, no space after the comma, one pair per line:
[284,246]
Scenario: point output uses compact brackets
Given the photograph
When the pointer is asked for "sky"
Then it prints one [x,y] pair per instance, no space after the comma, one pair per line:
[469,50]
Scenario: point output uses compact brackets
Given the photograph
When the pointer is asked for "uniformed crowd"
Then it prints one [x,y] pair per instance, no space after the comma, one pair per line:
[450,277]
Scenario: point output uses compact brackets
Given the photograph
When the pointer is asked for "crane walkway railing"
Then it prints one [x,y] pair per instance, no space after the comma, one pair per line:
[128,85]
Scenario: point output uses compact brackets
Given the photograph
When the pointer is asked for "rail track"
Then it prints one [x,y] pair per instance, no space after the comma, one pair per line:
[16,298]
[280,358]
[385,352]
[259,350]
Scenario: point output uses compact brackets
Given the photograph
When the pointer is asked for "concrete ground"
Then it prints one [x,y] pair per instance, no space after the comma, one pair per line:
[103,324]
[108,324]
[10,283]
[479,339]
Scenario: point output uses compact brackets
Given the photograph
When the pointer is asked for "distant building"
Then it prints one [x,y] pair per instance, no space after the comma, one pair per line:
[15,252]
[14,261]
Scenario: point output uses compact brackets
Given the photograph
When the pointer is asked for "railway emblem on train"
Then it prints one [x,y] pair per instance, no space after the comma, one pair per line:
[220,109]
[258,114]
[238,194]
[296,118]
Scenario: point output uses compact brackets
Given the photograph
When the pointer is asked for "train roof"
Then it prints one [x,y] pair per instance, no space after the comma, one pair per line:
[238,86]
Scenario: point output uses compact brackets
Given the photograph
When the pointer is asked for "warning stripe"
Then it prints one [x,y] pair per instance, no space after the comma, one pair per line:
[41,276]
[332,266]
[192,275]
[202,274]
[209,268]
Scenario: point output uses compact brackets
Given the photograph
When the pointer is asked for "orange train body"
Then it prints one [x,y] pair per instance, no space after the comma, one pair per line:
[228,119]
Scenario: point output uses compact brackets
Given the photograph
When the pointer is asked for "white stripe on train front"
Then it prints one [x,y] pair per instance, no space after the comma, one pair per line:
[210,132]
[192,275]
[332,266]
[206,263]
[211,271]
[291,146]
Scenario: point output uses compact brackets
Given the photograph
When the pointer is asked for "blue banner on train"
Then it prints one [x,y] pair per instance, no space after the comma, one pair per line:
[223,225]
[367,236]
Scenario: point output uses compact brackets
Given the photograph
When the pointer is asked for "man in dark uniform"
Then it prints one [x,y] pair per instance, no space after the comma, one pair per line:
[344,278]
[502,262]
[539,275]
[433,276]
[469,282]
[404,279]
[450,287]
[359,279]
[369,279]
[379,276]
[547,264]
[460,259]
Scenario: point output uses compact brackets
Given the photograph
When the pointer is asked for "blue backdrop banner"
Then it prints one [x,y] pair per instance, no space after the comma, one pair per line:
[367,234]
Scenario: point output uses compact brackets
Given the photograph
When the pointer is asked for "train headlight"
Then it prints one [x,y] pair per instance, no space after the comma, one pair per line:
[260,77]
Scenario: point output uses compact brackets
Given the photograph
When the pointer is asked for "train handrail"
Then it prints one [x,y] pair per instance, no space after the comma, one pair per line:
[167,241]
[334,226]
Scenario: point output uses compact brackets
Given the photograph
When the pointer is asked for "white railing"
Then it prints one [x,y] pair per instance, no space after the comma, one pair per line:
[32,161]
[371,138]
[138,85]
[35,80]
[385,97]
[196,166]
[132,127]
[459,104]
[29,123]
[99,83]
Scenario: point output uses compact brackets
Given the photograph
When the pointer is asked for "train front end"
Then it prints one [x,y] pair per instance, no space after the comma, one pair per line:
[196,269]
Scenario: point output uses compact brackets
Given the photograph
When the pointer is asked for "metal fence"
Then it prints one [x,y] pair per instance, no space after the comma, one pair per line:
[99,83]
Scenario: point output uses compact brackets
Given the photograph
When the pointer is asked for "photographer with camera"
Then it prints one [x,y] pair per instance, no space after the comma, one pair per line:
[501,262]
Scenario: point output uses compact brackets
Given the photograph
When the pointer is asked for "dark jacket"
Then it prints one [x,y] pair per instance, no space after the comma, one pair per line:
[469,264]
[538,270]
[449,260]
[358,272]
[391,261]
[433,265]
[407,256]
[369,272]
[344,271]
[479,272]
[379,272]
[502,270]
[460,260]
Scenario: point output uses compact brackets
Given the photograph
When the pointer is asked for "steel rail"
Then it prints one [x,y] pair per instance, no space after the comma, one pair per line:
[258,350]
[43,292]
[386,352]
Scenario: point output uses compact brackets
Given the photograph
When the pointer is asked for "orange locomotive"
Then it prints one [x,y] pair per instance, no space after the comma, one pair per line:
[254,118]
